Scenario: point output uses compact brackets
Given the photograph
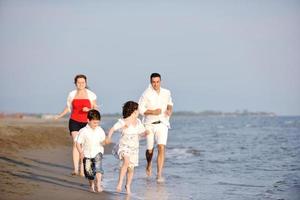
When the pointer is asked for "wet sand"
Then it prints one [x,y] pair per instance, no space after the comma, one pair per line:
[35,162]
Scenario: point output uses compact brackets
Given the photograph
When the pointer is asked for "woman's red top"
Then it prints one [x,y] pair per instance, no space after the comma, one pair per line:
[77,113]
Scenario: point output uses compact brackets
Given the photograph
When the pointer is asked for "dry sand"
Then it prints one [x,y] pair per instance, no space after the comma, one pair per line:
[35,162]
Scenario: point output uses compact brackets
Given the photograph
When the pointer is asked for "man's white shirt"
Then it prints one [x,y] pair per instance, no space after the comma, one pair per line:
[91,140]
[151,100]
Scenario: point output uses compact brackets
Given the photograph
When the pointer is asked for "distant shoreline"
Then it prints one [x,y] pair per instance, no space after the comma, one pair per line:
[220,113]
[176,113]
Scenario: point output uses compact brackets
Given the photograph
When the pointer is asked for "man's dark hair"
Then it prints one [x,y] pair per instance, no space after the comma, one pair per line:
[93,115]
[154,75]
[128,108]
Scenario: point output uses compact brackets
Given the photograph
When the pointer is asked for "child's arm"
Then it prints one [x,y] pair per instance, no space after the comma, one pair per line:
[80,150]
[110,133]
[105,141]
[117,126]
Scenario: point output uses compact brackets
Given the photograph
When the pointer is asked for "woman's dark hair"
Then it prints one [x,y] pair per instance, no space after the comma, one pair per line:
[154,75]
[129,107]
[93,115]
[79,76]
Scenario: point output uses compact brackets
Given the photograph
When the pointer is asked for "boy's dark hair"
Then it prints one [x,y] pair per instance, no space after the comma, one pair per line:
[153,75]
[93,115]
[129,107]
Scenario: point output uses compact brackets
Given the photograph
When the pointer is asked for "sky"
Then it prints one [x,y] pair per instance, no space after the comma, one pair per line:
[212,55]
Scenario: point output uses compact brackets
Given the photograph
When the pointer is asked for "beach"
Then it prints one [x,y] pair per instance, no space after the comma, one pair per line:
[207,157]
[35,162]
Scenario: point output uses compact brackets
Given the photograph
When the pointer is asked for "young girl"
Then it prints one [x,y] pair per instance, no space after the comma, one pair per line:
[128,147]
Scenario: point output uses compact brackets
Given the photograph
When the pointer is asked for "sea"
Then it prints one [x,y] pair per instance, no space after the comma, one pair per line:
[219,157]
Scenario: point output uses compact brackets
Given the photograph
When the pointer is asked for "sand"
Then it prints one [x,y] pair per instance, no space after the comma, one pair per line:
[35,162]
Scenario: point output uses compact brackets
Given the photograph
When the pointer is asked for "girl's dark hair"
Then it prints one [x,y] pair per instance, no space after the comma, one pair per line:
[93,115]
[129,107]
[79,76]
[154,75]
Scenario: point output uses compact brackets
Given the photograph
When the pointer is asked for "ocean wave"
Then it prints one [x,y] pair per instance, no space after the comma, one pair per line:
[183,152]
[239,184]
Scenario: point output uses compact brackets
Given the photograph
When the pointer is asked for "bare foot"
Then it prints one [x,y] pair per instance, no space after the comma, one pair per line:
[99,188]
[149,170]
[81,174]
[74,174]
[160,179]
[119,188]
[128,191]
[92,189]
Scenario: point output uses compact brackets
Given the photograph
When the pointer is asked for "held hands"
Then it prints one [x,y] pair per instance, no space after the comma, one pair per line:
[107,140]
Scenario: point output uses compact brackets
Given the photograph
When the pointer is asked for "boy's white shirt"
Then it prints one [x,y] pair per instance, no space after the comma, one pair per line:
[91,140]
[91,96]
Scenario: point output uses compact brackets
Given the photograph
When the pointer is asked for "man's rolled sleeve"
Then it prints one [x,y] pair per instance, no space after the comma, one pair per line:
[170,103]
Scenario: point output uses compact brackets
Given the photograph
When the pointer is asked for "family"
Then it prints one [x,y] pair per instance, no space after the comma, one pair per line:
[155,105]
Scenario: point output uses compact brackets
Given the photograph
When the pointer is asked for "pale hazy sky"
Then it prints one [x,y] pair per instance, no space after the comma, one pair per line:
[212,55]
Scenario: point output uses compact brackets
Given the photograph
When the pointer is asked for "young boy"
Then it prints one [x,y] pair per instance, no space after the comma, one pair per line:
[90,143]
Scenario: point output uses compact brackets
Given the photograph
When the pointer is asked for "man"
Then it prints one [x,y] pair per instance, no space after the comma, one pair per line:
[156,106]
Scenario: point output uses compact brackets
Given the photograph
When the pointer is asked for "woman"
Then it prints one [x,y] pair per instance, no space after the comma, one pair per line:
[79,102]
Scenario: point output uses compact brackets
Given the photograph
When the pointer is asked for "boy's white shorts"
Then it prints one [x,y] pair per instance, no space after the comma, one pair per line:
[157,132]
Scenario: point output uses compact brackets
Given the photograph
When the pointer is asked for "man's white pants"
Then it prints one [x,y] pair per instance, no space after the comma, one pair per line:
[157,133]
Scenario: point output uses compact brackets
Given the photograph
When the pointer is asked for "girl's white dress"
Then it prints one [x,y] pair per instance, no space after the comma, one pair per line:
[129,141]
